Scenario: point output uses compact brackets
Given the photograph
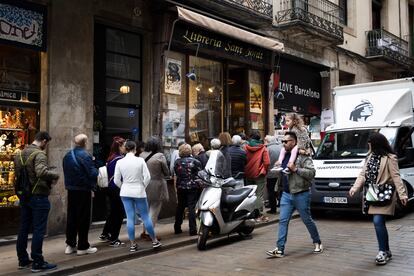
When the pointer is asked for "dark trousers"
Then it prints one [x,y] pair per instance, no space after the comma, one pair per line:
[186,197]
[270,185]
[116,214]
[79,218]
[33,212]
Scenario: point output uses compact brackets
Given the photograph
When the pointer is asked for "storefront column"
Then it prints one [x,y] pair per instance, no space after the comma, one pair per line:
[70,92]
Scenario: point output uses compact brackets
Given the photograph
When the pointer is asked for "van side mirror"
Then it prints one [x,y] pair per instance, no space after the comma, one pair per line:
[408,159]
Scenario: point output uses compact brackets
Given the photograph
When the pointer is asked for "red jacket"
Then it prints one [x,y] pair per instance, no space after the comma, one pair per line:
[257,161]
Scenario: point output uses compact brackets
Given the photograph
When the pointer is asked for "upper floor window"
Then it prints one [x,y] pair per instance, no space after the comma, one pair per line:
[376,14]
[343,12]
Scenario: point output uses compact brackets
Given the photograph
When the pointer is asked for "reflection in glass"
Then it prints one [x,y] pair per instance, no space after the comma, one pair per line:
[114,94]
[122,67]
[205,100]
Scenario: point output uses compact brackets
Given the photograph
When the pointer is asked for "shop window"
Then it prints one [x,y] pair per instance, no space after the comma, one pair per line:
[174,102]
[205,100]
[256,101]
[19,111]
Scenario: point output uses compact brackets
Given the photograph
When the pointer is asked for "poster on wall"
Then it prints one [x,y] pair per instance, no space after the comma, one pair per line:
[173,76]
[255,98]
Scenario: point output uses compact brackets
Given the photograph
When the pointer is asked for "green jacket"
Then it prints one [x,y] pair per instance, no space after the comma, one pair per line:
[41,176]
[302,179]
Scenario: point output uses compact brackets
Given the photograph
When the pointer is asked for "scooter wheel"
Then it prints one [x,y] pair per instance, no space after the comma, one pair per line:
[202,237]
[246,231]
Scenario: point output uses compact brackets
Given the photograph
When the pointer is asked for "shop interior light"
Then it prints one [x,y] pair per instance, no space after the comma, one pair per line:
[198,87]
[211,89]
[124,89]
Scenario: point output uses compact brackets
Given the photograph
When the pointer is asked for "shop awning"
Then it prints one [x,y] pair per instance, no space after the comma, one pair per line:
[229,30]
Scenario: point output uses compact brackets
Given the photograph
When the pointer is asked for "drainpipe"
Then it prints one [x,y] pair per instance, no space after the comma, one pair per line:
[399,15]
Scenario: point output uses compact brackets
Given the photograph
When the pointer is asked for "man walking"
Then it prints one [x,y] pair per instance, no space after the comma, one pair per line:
[35,211]
[80,181]
[295,195]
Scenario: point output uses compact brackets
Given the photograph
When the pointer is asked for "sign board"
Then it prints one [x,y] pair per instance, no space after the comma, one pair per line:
[23,24]
[299,89]
[227,46]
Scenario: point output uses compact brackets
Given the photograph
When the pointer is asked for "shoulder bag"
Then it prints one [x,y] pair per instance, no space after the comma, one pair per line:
[103,180]
[379,195]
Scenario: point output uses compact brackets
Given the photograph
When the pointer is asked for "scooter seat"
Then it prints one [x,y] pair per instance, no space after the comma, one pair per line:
[235,197]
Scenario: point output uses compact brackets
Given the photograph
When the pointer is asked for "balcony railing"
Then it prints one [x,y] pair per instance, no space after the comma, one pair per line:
[321,14]
[383,43]
[263,7]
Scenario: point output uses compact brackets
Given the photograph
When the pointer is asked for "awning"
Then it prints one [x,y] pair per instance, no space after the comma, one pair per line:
[229,30]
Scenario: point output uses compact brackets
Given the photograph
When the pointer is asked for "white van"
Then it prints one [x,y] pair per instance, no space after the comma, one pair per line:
[359,110]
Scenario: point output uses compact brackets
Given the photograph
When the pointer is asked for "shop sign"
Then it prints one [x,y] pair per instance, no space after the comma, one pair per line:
[23,24]
[299,88]
[189,34]
[10,95]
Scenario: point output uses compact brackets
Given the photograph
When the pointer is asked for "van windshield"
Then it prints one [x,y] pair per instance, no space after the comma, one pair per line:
[344,144]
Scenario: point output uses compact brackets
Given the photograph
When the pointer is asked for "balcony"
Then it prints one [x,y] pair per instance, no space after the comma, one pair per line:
[317,21]
[388,51]
[252,13]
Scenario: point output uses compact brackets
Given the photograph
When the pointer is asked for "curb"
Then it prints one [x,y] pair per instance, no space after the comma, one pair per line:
[139,254]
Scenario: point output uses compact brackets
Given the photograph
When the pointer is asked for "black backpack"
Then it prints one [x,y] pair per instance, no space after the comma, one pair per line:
[22,185]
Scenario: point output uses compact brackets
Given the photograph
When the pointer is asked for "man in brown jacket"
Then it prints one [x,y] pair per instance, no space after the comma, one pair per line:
[35,211]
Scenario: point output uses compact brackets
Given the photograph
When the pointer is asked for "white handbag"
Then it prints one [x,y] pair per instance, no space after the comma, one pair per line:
[103,177]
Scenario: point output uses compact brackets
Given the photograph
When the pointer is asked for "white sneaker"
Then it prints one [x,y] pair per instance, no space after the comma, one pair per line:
[90,250]
[318,248]
[276,169]
[70,250]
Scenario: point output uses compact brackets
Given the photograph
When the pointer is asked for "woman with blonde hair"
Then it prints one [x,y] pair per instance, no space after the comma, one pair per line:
[186,169]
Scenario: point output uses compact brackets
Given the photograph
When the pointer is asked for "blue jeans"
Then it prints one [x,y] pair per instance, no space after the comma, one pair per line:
[381,231]
[140,205]
[34,212]
[288,204]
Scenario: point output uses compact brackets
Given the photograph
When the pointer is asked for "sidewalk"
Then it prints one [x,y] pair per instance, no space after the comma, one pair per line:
[54,247]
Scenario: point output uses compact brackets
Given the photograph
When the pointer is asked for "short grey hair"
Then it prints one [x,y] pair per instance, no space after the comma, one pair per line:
[215,143]
[81,140]
[236,139]
[270,138]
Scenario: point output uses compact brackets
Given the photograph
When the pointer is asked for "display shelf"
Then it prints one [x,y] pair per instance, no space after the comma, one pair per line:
[11,129]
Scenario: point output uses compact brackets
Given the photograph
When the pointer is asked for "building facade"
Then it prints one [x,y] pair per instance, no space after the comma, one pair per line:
[180,70]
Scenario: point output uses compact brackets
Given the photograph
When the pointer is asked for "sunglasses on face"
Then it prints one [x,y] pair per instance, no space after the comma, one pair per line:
[286,141]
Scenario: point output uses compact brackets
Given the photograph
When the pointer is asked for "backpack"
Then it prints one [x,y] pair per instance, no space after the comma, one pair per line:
[22,185]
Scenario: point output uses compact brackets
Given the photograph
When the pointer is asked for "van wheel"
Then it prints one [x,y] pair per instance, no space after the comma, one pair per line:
[202,237]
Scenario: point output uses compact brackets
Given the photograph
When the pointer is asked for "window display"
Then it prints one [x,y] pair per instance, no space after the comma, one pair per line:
[17,128]
[205,100]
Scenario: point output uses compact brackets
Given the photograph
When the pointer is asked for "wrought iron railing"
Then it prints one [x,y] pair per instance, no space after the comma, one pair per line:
[263,7]
[321,14]
[383,43]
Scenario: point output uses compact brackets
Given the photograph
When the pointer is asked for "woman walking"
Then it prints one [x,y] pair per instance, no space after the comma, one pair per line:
[157,190]
[116,213]
[132,176]
[381,167]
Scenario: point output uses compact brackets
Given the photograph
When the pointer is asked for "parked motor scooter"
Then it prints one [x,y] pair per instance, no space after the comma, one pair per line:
[225,206]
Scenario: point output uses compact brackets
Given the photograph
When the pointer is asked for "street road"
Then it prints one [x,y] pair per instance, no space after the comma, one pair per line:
[350,249]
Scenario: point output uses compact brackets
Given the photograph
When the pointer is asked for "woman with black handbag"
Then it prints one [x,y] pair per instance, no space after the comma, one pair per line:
[380,176]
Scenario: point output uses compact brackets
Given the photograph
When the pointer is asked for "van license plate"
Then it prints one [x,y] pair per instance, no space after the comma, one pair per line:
[340,200]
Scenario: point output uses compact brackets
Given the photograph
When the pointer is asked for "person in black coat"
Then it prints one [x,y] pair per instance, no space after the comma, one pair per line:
[186,169]
[237,155]
[200,154]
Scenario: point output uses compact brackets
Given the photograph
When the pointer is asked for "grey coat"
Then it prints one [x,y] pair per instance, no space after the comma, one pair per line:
[274,151]
[157,189]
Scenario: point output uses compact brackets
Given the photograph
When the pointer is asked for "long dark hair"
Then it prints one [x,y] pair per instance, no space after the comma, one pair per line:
[117,142]
[379,144]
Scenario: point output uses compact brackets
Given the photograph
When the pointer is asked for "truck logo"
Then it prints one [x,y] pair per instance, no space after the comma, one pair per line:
[362,111]
[333,184]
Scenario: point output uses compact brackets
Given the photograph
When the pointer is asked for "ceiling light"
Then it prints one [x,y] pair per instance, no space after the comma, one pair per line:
[124,89]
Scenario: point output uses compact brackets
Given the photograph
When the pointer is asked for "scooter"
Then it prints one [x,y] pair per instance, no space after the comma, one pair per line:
[225,206]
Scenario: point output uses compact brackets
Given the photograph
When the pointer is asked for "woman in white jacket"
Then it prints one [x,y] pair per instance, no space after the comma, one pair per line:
[132,176]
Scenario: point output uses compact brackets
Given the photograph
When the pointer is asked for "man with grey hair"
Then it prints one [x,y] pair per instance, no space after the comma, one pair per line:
[237,155]
[273,147]
[216,161]
[80,182]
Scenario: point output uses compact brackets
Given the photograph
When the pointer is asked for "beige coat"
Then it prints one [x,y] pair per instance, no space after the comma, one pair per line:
[157,189]
[388,173]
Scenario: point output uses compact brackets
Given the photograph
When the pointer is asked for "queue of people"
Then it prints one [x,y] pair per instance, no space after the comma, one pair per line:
[137,186]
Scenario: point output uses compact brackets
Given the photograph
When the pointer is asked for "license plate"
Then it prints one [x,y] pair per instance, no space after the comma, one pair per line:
[340,200]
